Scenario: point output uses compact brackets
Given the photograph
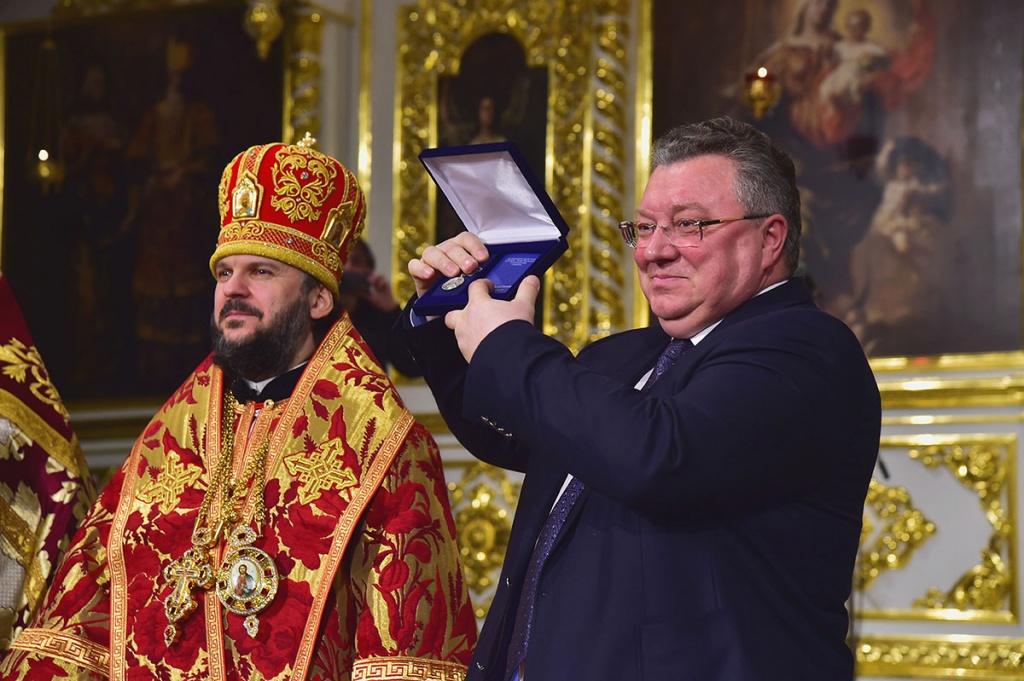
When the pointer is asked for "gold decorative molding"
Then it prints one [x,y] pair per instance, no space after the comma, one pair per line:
[644,115]
[982,361]
[920,420]
[607,312]
[982,464]
[582,45]
[983,469]
[986,586]
[302,72]
[483,503]
[919,657]
[904,529]
[937,391]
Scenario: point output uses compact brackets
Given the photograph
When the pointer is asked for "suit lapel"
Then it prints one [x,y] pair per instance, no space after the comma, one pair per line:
[638,356]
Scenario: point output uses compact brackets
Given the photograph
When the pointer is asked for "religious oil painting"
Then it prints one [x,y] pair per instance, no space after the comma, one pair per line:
[903,118]
[495,97]
[106,236]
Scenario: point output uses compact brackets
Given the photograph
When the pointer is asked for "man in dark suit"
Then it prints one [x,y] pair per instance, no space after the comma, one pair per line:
[710,521]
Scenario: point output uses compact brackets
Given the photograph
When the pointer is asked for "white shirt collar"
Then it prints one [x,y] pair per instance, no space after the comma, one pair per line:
[702,334]
[258,386]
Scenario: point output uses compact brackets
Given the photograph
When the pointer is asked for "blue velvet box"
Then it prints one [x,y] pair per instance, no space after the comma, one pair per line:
[498,198]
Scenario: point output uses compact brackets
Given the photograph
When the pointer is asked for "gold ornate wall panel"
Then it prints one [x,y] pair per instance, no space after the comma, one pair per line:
[483,501]
[582,45]
[607,309]
[976,362]
[938,579]
[939,540]
[937,657]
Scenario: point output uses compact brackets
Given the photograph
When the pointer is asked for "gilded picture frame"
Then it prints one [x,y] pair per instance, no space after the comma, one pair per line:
[585,49]
[140,109]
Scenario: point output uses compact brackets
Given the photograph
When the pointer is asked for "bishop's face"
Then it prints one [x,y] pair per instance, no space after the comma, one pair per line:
[262,317]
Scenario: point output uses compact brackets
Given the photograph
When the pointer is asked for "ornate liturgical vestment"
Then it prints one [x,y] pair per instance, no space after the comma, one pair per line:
[353,573]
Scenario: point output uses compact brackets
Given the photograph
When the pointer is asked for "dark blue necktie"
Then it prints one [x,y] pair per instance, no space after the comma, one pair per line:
[670,354]
[546,539]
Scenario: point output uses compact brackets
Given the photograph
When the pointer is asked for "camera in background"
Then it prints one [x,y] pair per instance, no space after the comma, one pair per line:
[353,282]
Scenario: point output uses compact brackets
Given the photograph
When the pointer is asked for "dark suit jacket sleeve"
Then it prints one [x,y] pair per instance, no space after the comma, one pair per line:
[750,417]
[436,352]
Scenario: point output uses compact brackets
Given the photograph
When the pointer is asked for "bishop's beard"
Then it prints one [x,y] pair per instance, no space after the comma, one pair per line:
[266,352]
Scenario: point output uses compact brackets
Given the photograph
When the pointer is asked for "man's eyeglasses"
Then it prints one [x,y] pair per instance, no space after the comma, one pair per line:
[678,233]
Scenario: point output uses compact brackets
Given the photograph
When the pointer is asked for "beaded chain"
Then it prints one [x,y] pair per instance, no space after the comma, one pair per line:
[226,488]
[194,570]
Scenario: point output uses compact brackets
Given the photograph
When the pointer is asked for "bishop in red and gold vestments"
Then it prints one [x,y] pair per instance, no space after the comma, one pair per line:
[283,516]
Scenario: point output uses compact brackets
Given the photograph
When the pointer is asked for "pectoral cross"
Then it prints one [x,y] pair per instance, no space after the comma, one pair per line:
[191,571]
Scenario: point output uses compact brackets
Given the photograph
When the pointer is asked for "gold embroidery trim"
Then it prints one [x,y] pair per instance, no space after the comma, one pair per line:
[65,647]
[14,529]
[300,396]
[214,437]
[23,539]
[17,532]
[406,669]
[371,479]
[39,431]
[297,199]
[116,565]
[22,360]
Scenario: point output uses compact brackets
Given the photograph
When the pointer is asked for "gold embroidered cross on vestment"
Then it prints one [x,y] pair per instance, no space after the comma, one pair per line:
[320,470]
[165,489]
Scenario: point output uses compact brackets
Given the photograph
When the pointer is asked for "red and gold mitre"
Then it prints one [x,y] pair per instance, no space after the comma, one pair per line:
[291,203]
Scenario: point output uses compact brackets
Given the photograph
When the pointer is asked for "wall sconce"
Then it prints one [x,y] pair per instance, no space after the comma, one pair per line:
[761,91]
[263,23]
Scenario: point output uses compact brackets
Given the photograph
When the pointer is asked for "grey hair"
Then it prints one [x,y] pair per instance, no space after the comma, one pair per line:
[765,175]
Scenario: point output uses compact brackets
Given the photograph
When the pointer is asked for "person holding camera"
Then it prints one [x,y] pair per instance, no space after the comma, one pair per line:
[366,295]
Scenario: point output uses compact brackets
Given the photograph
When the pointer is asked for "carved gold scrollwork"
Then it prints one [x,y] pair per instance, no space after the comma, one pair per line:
[607,311]
[981,468]
[483,502]
[986,586]
[566,298]
[903,529]
[931,657]
[895,528]
[304,69]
